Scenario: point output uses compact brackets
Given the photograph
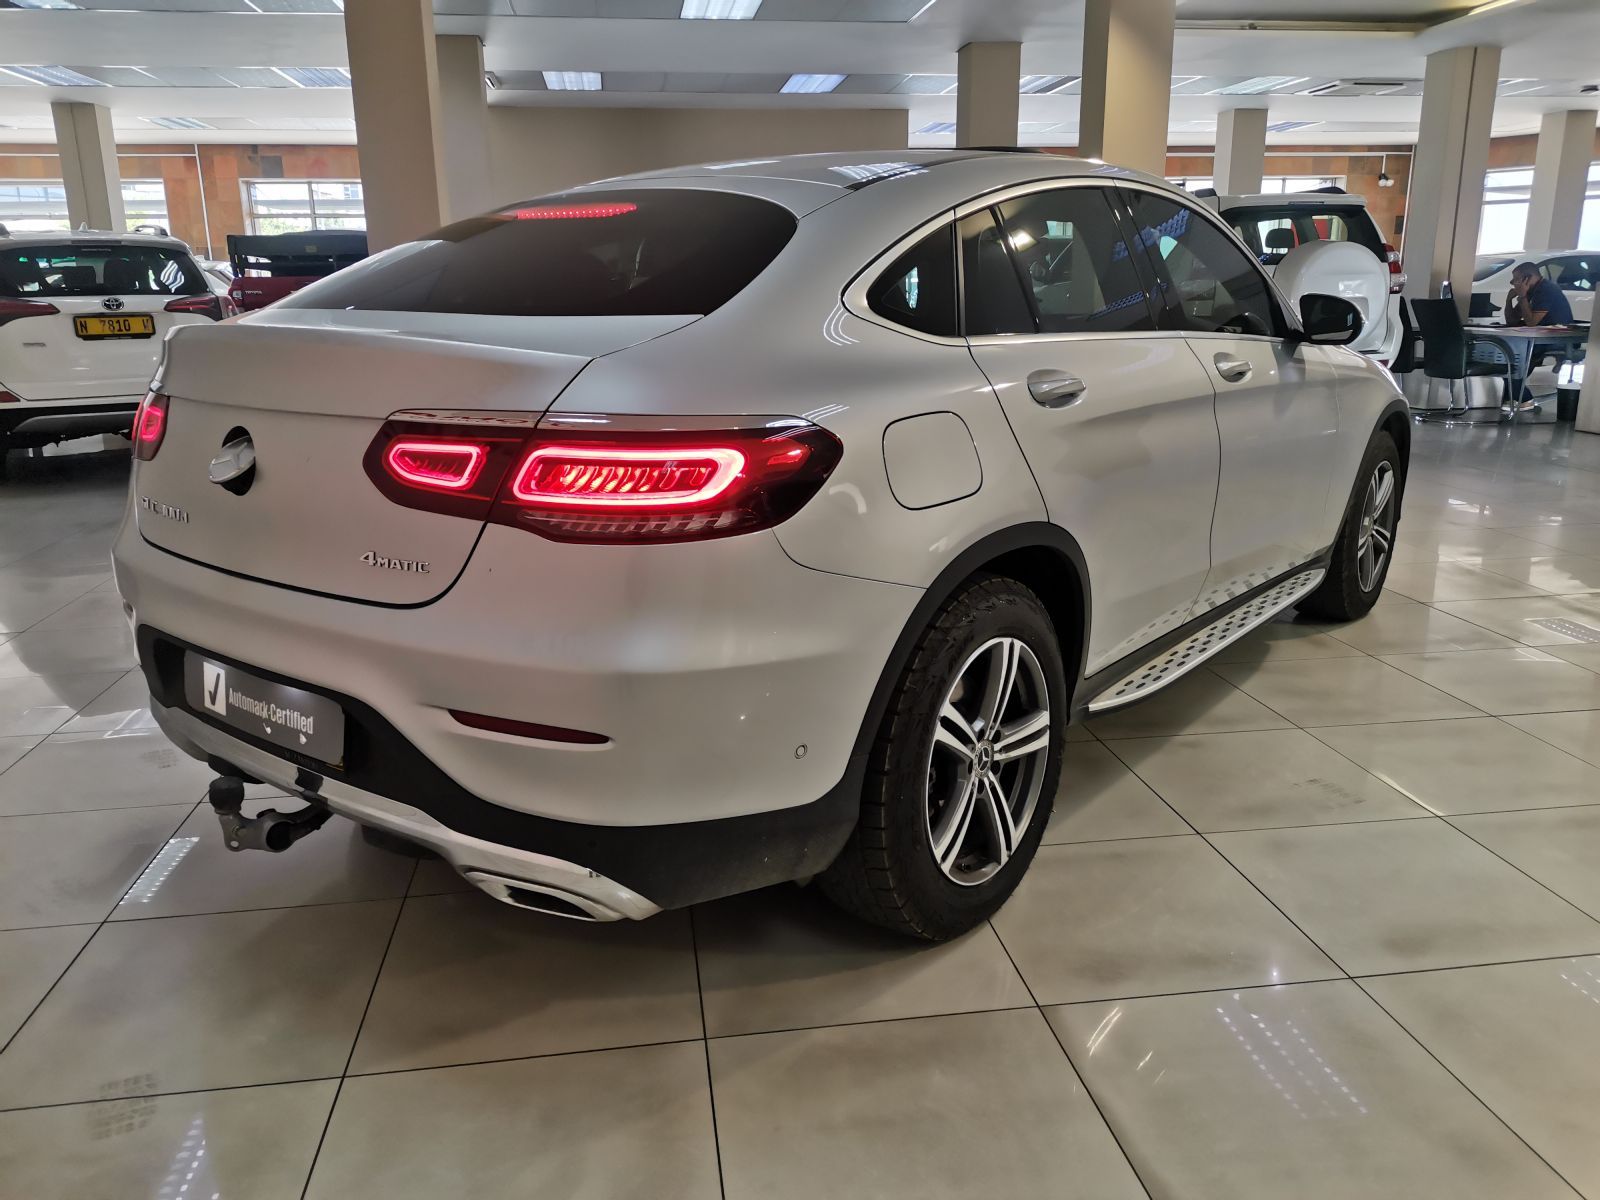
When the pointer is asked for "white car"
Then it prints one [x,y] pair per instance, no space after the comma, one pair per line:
[696,531]
[1274,226]
[1575,272]
[82,317]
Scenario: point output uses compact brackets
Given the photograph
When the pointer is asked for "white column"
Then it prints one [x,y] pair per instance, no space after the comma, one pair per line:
[1241,151]
[394,81]
[1589,399]
[1446,200]
[1127,82]
[464,117]
[88,152]
[987,78]
[1560,178]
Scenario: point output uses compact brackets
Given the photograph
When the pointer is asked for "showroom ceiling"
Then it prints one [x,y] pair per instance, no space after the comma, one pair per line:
[1330,71]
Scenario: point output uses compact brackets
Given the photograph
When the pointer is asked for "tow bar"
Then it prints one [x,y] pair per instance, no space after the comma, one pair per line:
[270,830]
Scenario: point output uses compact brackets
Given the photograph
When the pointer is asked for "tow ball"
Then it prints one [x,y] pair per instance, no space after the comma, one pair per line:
[270,829]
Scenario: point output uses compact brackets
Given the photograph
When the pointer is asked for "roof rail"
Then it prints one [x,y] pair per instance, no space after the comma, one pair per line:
[1330,190]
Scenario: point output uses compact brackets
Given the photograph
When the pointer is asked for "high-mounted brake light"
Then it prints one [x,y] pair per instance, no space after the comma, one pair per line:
[149,426]
[15,310]
[572,212]
[452,466]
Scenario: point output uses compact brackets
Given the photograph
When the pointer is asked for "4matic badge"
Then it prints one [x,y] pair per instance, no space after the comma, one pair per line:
[373,559]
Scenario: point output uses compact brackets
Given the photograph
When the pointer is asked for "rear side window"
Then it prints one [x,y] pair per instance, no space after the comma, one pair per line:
[1272,232]
[42,269]
[919,288]
[995,302]
[643,252]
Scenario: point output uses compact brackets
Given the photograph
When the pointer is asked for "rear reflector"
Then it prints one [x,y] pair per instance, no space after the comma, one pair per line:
[452,466]
[149,426]
[528,729]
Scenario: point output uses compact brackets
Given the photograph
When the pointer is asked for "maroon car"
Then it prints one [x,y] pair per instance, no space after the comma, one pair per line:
[269,267]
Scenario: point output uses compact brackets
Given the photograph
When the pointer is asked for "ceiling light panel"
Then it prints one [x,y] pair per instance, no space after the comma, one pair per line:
[938,127]
[177,122]
[317,77]
[811,84]
[719,10]
[1258,85]
[572,81]
[44,3]
[926,85]
[254,77]
[53,76]
[1038,85]
[120,76]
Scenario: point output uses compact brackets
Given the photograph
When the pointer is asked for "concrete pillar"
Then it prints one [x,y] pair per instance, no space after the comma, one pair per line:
[1560,179]
[88,152]
[464,118]
[1127,82]
[1446,199]
[987,78]
[1589,399]
[1241,151]
[394,81]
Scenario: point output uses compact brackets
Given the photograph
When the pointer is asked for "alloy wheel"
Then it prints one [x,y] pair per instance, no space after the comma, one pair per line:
[986,767]
[1376,539]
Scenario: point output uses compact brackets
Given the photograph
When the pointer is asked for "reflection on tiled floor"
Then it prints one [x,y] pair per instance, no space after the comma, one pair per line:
[1320,921]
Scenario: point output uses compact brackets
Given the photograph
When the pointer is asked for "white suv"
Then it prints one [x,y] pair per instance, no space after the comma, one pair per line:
[82,316]
[692,532]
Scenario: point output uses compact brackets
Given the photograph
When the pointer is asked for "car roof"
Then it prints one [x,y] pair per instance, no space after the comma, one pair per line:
[1537,255]
[1290,199]
[97,236]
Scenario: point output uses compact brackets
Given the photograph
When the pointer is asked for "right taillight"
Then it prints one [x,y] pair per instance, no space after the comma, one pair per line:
[149,426]
[601,479]
[16,310]
[1397,272]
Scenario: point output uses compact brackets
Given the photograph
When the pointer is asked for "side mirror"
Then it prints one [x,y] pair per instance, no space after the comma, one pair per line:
[1329,320]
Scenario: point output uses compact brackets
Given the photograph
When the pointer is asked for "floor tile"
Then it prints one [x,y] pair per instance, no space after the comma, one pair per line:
[1257,780]
[71,772]
[1586,655]
[1343,691]
[1558,847]
[1509,1033]
[1283,641]
[36,705]
[1505,682]
[1308,1091]
[68,868]
[1450,580]
[93,610]
[193,1003]
[629,1124]
[34,960]
[1100,799]
[785,959]
[436,877]
[121,708]
[1406,895]
[978,1105]
[1480,764]
[1560,575]
[1106,919]
[1405,627]
[68,652]
[195,872]
[1199,702]
[1464,542]
[1578,733]
[469,979]
[246,1144]
[28,597]
[1568,539]
[1537,621]
[13,748]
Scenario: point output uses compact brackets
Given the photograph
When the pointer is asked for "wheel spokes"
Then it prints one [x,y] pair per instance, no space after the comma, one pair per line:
[1026,735]
[1383,486]
[997,815]
[958,819]
[997,688]
[955,732]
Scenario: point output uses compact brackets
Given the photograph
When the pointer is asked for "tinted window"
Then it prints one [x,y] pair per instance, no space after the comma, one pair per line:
[644,252]
[1211,284]
[1490,266]
[995,302]
[108,269]
[1272,232]
[1069,246]
[919,288]
[1575,273]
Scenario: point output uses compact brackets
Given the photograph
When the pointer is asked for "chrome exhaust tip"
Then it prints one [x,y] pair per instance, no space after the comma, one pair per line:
[542,898]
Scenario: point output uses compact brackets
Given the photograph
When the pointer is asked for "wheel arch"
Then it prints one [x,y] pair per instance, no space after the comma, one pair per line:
[1396,422]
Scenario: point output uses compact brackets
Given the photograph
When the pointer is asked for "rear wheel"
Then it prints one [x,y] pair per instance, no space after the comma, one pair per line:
[1365,547]
[964,770]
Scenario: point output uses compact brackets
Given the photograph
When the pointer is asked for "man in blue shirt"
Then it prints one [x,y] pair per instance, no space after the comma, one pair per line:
[1535,300]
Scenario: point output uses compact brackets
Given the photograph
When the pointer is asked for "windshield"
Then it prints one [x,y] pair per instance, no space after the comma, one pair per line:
[1491,265]
[644,252]
[44,269]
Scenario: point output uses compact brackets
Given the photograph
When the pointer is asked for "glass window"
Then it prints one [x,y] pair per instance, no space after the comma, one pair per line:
[300,205]
[1491,264]
[38,270]
[1574,273]
[919,288]
[1209,280]
[995,302]
[1069,246]
[40,205]
[1272,232]
[614,253]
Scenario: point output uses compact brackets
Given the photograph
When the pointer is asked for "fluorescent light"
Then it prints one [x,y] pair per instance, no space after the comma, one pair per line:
[1033,85]
[719,10]
[177,123]
[315,77]
[938,127]
[572,81]
[53,76]
[44,4]
[809,84]
[920,11]
[1258,85]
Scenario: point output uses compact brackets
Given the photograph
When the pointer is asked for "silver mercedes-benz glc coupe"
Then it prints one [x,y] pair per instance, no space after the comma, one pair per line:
[696,531]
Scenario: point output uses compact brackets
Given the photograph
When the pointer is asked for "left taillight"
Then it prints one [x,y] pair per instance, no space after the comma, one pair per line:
[16,310]
[149,426]
[608,480]
[1397,271]
[210,305]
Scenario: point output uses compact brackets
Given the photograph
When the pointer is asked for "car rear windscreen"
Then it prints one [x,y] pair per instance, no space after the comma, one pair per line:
[39,270]
[1491,265]
[642,252]
[1272,232]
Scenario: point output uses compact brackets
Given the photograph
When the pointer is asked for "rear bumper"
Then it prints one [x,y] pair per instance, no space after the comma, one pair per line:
[51,419]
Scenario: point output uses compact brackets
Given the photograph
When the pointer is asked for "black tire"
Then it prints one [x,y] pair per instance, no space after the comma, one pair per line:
[1342,595]
[887,872]
[382,839]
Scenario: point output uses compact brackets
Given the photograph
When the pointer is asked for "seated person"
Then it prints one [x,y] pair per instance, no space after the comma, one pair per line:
[1535,300]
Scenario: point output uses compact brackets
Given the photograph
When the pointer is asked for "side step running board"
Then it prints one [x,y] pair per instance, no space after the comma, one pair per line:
[1201,645]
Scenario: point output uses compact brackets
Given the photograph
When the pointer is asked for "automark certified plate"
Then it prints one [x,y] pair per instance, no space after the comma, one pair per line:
[286,716]
[135,325]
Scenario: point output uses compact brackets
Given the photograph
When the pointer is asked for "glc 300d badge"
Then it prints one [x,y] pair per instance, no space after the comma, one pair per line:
[373,559]
[170,511]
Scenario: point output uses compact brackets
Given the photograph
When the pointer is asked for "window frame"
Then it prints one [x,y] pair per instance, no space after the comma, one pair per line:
[252,216]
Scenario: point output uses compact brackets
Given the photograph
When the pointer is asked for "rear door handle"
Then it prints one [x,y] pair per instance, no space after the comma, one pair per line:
[1234,370]
[1055,389]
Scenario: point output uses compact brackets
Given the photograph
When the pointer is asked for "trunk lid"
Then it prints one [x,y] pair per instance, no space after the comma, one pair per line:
[312,388]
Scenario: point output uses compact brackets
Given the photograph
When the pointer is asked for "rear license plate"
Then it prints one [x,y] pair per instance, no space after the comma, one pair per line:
[285,716]
[137,325]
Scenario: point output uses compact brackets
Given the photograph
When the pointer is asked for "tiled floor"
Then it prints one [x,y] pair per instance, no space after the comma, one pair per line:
[1321,921]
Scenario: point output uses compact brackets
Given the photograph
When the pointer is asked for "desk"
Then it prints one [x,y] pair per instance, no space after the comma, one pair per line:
[1523,344]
